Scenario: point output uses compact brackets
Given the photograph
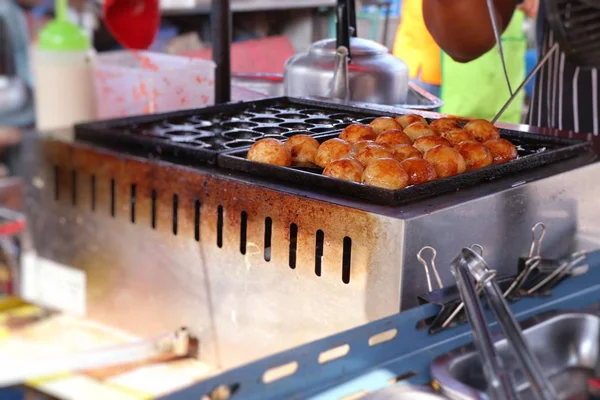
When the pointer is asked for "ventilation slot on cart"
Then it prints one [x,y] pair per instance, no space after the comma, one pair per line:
[346,260]
[293,245]
[268,233]
[197,220]
[175,207]
[243,231]
[93,192]
[153,209]
[112,197]
[133,199]
[319,252]
[220,226]
[56,183]
[74,187]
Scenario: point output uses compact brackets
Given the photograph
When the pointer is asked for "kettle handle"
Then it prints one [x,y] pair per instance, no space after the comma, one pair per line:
[340,85]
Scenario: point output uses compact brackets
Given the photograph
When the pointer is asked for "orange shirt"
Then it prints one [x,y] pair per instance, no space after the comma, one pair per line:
[415,46]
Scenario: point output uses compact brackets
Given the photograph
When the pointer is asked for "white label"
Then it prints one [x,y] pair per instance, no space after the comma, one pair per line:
[53,285]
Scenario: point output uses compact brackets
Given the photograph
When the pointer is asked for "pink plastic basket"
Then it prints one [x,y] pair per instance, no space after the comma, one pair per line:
[136,83]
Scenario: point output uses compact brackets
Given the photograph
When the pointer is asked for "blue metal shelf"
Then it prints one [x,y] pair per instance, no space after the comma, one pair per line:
[364,368]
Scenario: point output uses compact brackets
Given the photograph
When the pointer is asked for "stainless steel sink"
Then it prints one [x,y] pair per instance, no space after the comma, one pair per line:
[566,345]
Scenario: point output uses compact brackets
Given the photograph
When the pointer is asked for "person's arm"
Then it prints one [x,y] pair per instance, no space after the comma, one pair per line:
[462,28]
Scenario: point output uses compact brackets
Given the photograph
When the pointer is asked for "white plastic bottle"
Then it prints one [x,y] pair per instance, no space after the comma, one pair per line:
[63,70]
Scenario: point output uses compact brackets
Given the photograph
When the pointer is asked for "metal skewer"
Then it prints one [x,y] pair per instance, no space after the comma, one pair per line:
[537,67]
[496,28]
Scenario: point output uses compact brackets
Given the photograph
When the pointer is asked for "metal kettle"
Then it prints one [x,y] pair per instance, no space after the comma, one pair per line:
[348,67]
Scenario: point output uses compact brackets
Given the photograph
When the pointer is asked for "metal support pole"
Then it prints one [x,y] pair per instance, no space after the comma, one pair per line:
[220,20]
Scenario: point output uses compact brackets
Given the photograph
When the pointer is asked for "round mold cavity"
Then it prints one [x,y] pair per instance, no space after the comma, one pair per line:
[236,144]
[267,120]
[278,137]
[244,115]
[292,115]
[181,132]
[241,134]
[215,142]
[315,112]
[199,122]
[341,125]
[296,132]
[179,123]
[198,135]
[344,117]
[238,125]
[271,130]
[366,120]
[321,130]
[322,121]
[198,144]
[268,111]
[297,125]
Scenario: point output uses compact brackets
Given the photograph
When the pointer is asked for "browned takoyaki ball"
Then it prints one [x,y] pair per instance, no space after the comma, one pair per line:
[372,152]
[303,148]
[417,130]
[446,160]
[331,150]
[418,170]
[357,132]
[482,130]
[385,173]
[404,151]
[347,169]
[456,136]
[270,151]
[406,120]
[442,125]
[358,146]
[392,138]
[502,150]
[425,143]
[383,124]
[475,154]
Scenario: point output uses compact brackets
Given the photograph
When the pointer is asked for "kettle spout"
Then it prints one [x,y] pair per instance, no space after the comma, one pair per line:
[340,85]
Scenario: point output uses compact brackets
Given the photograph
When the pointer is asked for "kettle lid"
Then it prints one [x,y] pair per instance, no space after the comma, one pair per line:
[358,47]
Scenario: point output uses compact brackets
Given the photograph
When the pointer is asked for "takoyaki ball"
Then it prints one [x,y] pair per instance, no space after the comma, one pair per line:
[482,130]
[372,152]
[358,146]
[303,148]
[402,152]
[442,125]
[392,138]
[357,132]
[502,150]
[270,151]
[406,120]
[456,136]
[331,150]
[347,169]
[446,160]
[475,154]
[385,173]
[425,143]
[383,124]
[417,130]
[418,170]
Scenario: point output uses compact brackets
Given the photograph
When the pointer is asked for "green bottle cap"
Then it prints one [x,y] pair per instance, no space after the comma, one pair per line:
[62,35]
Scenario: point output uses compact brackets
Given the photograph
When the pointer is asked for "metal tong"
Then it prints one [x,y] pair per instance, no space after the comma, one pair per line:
[469,264]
